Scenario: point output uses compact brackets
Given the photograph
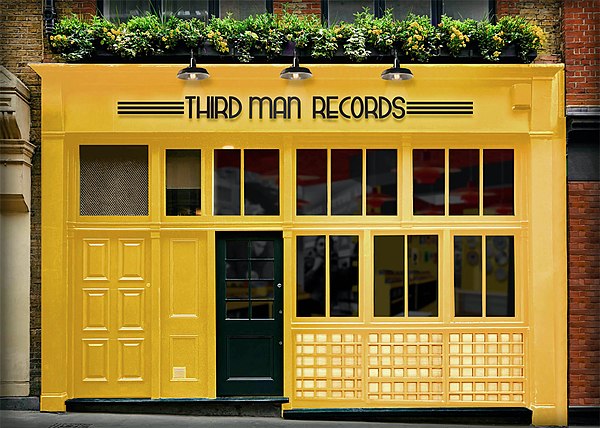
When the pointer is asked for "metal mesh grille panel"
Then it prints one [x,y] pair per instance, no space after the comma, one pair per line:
[114,180]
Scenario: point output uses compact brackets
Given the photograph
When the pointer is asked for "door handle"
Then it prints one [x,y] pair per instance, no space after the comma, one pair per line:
[279,285]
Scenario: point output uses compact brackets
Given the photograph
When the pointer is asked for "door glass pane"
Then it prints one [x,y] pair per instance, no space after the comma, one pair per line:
[262,289]
[261,269]
[227,182]
[113,180]
[423,276]
[241,9]
[186,8]
[464,182]
[262,310]
[467,276]
[310,276]
[401,8]
[389,276]
[346,182]
[183,182]
[236,289]
[344,10]
[428,182]
[343,276]
[463,9]
[121,10]
[311,182]
[500,276]
[498,182]
[382,182]
[236,249]
[236,269]
[261,182]
[261,249]
[237,310]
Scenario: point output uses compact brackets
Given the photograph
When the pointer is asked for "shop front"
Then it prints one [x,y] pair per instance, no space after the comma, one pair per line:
[344,241]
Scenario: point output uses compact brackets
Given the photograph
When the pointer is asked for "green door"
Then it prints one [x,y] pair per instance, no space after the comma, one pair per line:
[249,314]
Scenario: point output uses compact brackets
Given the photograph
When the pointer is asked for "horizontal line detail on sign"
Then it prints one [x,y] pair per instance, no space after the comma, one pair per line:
[151,112]
[159,103]
[439,103]
[440,112]
[463,108]
[150,108]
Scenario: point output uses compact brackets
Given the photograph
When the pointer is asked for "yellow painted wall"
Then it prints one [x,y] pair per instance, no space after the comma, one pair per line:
[129,301]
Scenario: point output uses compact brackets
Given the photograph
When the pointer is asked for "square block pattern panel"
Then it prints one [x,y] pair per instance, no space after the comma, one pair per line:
[111,314]
[410,367]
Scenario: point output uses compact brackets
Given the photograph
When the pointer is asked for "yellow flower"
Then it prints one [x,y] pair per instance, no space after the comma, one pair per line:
[164,39]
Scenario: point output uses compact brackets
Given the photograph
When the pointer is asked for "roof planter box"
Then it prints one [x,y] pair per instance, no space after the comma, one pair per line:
[270,38]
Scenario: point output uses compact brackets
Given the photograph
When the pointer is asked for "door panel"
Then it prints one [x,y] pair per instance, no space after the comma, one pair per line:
[249,314]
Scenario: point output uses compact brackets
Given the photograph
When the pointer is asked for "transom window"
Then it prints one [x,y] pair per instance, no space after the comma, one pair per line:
[344,10]
[121,10]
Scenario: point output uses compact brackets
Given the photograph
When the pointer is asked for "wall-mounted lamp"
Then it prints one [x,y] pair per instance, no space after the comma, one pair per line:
[192,72]
[396,72]
[295,72]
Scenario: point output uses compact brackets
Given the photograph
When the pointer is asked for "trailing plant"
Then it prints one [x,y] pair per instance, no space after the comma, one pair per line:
[414,38]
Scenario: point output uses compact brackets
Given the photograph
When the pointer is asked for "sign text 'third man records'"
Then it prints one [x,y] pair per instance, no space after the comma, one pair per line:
[323,107]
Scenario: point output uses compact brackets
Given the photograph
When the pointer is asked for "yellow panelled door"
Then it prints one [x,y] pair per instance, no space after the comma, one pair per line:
[112,313]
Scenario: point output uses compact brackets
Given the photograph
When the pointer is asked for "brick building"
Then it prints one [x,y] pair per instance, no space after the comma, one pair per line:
[572,37]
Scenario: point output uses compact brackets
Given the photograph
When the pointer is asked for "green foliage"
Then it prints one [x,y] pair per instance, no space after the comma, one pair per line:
[414,38]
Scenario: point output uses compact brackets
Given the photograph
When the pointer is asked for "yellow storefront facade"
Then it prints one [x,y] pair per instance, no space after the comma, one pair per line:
[184,224]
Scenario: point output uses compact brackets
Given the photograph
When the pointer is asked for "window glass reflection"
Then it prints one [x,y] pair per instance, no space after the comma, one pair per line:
[186,8]
[389,276]
[241,9]
[382,182]
[310,276]
[262,310]
[500,276]
[428,182]
[237,310]
[311,182]
[261,182]
[122,10]
[467,276]
[498,182]
[227,182]
[343,276]
[183,182]
[346,182]
[422,275]
[401,8]
[464,182]
[344,10]
[463,9]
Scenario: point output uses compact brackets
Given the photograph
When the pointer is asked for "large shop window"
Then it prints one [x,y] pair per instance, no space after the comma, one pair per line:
[260,177]
[113,180]
[121,10]
[470,189]
[346,182]
[484,276]
[406,276]
[183,182]
[344,10]
[327,271]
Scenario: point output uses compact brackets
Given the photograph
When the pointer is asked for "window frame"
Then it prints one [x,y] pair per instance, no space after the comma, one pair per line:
[213,7]
[437,10]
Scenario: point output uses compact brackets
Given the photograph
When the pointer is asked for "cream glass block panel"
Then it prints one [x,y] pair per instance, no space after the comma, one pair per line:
[405,366]
[95,360]
[130,308]
[183,277]
[131,360]
[96,259]
[328,366]
[95,309]
[131,259]
[487,367]
[184,358]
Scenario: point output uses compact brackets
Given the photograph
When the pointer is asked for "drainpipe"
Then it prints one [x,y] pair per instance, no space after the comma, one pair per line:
[49,17]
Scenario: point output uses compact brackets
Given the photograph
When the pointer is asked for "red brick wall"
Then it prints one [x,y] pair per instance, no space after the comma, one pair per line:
[584,293]
[297,6]
[544,13]
[582,51]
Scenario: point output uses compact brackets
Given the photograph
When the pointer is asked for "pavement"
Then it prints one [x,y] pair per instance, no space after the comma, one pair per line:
[34,419]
